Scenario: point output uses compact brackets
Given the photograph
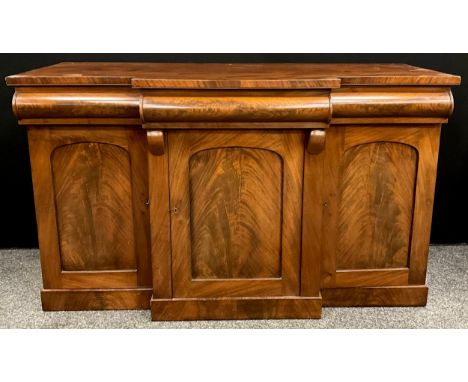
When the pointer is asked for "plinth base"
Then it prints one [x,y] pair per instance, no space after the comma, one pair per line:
[415,295]
[231,308]
[95,299]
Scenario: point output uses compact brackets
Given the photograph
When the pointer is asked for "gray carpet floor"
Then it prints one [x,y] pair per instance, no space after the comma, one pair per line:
[20,307]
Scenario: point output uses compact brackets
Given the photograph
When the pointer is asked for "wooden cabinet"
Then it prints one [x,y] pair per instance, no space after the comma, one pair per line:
[212,191]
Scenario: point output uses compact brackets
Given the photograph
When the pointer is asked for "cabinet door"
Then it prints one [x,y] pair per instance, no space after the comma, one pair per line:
[91,192]
[235,201]
[378,189]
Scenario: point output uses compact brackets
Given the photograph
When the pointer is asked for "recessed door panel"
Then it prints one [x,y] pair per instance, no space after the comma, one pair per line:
[376,205]
[235,209]
[93,195]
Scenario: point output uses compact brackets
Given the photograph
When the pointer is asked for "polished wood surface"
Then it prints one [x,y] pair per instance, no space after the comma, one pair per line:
[376,296]
[207,106]
[96,299]
[348,278]
[234,233]
[99,235]
[241,307]
[391,102]
[316,142]
[76,102]
[233,191]
[156,142]
[90,195]
[376,205]
[235,202]
[378,189]
[160,223]
[220,109]
[230,76]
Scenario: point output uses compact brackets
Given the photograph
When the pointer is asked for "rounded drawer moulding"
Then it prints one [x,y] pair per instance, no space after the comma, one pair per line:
[238,107]
[132,106]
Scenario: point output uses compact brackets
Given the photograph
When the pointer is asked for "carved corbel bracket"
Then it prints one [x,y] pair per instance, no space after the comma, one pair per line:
[316,141]
[155,142]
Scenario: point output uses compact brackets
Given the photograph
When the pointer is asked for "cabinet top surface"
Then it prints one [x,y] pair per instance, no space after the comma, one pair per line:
[229,76]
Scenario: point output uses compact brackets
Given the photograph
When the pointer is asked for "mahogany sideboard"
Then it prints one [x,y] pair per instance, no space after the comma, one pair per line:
[233,191]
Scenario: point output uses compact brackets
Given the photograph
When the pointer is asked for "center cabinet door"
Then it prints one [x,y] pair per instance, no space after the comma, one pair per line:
[236,202]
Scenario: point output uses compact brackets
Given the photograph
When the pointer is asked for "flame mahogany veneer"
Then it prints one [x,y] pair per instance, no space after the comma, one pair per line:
[233,191]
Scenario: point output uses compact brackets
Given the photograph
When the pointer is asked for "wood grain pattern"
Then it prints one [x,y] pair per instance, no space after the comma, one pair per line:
[235,125]
[79,121]
[204,181]
[75,102]
[122,278]
[420,139]
[428,150]
[425,139]
[288,146]
[95,299]
[191,75]
[387,121]
[160,224]
[379,296]
[235,234]
[113,105]
[138,152]
[371,277]
[312,217]
[391,102]
[376,206]
[236,308]
[92,188]
[327,233]
[80,209]
[206,106]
